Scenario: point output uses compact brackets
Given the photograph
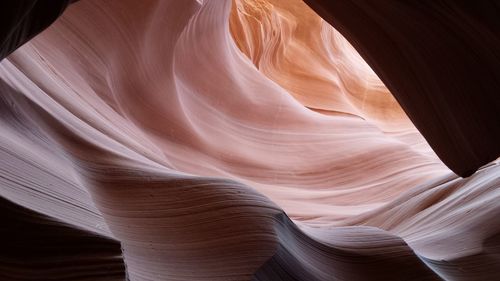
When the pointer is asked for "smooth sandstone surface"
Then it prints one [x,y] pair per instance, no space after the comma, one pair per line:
[223,140]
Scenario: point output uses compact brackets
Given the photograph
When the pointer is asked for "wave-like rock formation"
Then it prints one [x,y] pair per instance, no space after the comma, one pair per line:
[224,140]
[441,60]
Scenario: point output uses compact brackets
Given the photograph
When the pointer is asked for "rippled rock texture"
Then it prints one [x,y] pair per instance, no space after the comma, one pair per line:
[235,140]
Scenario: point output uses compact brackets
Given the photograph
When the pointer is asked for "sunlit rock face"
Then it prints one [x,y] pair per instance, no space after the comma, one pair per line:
[294,47]
[220,140]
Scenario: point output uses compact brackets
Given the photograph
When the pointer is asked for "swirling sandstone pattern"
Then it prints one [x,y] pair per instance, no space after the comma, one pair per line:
[220,140]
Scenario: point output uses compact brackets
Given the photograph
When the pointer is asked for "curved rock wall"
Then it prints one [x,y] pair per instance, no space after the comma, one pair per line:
[185,131]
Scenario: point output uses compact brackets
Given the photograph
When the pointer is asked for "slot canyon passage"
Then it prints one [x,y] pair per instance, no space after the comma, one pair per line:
[249,140]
